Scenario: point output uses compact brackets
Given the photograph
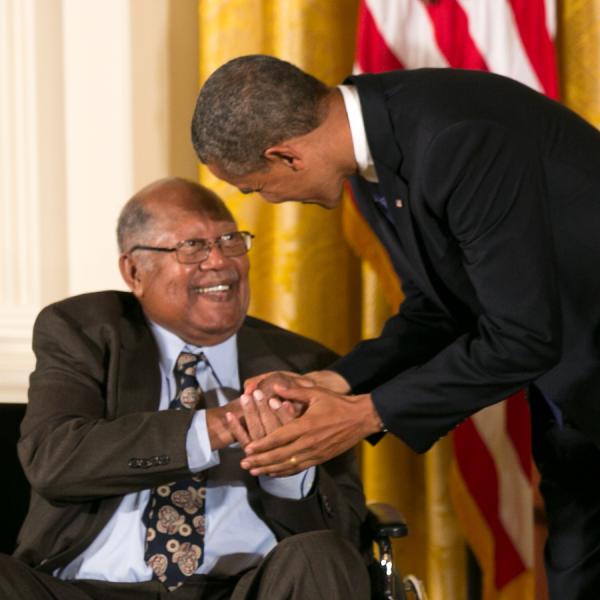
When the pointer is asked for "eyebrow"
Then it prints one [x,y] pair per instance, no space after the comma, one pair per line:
[245,190]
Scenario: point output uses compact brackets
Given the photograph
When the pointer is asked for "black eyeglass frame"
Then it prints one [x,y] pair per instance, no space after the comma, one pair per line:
[247,238]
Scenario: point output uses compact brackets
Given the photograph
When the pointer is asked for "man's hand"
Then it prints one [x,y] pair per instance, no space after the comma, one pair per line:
[325,379]
[329,380]
[217,424]
[331,424]
[262,415]
[266,381]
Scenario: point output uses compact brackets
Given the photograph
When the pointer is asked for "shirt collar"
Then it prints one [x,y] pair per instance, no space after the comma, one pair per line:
[223,357]
[362,152]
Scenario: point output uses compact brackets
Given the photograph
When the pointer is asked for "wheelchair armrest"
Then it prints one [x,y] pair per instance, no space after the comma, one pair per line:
[384,521]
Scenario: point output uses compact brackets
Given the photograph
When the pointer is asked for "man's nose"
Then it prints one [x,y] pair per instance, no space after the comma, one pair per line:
[215,257]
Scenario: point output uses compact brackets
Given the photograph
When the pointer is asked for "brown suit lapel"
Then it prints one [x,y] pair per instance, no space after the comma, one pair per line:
[138,370]
[254,355]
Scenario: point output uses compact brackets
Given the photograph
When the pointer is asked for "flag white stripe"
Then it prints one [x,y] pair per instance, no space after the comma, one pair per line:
[515,496]
[407,30]
[494,30]
[551,17]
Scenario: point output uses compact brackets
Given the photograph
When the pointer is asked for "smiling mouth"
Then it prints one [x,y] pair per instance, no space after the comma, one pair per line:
[213,289]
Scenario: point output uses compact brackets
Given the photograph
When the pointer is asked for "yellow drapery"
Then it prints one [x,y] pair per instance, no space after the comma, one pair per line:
[304,276]
[579,57]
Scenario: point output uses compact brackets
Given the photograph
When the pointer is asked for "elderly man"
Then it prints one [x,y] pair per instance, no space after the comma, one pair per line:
[487,197]
[137,488]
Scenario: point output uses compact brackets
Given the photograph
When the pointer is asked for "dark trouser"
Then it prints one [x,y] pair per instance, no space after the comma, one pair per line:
[569,465]
[317,566]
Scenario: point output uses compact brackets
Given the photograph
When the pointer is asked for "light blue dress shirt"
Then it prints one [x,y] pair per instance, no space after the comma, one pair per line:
[236,538]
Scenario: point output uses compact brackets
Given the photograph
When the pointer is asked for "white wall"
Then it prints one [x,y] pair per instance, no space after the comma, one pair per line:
[95,101]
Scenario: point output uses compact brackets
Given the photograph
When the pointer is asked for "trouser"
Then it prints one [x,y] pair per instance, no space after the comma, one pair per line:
[318,565]
[569,465]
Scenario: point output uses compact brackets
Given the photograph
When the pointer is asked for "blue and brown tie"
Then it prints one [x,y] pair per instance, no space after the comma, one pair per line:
[174,516]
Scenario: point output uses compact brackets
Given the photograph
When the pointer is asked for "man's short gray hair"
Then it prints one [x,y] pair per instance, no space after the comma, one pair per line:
[250,104]
[137,218]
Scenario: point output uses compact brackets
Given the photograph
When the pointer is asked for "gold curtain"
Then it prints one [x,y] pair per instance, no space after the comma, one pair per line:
[304,276]
[579,57]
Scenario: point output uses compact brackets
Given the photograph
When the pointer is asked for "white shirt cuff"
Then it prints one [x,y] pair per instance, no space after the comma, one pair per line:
[293,487]
[197,445]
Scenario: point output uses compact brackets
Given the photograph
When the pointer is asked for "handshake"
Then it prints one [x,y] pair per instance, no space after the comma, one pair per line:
[287,422]
[263,408]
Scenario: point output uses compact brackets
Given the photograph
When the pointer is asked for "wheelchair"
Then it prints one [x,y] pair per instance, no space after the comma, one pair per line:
[383,524]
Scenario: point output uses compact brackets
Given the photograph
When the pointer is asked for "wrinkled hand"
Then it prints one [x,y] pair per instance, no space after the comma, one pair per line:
[266,381]
[331,424]
[285,380]
[329,380]
[262,414]
[217,424]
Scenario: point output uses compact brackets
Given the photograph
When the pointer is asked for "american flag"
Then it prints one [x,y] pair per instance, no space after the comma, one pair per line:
[492,477]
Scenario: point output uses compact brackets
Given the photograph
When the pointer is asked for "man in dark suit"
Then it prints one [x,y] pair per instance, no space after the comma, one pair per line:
[487,197]
[132,500]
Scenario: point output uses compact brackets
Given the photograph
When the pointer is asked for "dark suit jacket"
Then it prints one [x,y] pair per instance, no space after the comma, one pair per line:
[493,195]
[92,432]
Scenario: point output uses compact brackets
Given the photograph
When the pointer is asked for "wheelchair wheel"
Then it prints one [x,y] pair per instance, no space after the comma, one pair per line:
[413,588]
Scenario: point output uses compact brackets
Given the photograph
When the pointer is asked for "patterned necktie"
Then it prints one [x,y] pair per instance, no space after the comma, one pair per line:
[174,516]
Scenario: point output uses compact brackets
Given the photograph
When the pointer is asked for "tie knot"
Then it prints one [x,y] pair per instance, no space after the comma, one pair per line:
[188,390]
[187,362]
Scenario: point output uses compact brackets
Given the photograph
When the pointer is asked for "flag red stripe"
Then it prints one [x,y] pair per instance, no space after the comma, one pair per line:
[450,24]
[481,478]
[530,16]
[518,429]
[372,52]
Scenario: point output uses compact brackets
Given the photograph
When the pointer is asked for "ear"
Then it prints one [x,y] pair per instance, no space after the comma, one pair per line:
[132,274]
[286,154]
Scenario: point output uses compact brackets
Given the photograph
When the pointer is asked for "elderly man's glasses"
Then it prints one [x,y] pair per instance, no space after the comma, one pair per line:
[194,251]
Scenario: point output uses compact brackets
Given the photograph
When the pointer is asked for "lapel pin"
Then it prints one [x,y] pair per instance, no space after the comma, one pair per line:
[399,203]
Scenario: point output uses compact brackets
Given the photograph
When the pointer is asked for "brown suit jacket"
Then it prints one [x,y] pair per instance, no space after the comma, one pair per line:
[92,432]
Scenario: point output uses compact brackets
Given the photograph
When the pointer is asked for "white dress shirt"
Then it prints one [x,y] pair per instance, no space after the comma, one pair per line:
[362,152]
[236,538]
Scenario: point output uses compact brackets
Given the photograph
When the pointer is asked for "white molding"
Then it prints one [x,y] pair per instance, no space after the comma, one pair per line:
[16,364]
[28,47]
[19,281]
[16,357]
[16,323]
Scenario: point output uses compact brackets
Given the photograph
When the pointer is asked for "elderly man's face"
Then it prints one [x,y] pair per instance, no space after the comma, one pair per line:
[202,303]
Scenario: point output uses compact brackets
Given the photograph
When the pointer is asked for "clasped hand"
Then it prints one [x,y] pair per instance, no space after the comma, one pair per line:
[291,422]
[263,411]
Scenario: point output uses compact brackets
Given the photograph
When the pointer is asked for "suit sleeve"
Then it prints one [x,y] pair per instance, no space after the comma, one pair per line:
[486,188]
[72,447]
[410,338]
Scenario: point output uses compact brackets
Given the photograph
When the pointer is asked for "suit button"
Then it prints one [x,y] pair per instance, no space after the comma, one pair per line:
[326,505]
